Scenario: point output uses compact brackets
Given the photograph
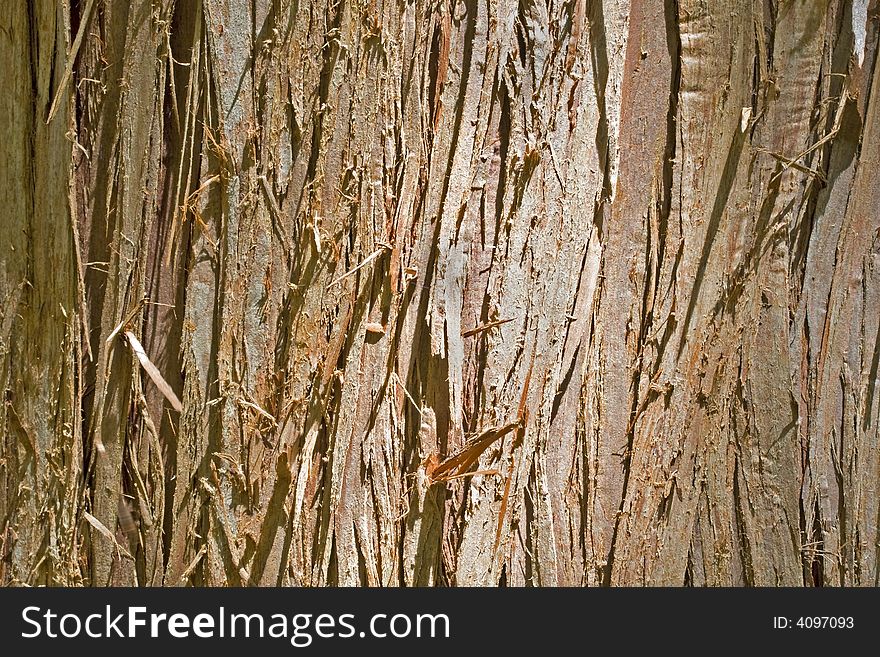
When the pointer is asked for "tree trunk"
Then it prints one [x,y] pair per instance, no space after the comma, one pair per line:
[450,292]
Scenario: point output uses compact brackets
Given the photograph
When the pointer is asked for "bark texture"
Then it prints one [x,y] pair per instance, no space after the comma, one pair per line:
[440,292]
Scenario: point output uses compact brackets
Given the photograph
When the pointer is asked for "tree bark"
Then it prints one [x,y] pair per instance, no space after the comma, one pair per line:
[446,292]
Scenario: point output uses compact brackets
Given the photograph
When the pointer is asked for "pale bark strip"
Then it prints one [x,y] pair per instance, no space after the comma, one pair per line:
[721,390]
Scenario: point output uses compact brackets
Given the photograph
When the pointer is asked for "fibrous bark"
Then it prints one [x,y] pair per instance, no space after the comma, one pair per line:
[446,292]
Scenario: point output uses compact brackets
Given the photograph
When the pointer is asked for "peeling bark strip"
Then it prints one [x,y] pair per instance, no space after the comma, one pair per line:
[440,293]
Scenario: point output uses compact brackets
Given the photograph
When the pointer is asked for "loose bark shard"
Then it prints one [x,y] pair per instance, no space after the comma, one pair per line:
[156,376]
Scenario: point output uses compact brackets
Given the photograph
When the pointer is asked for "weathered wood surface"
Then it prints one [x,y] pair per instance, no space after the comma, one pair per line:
[630,250]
